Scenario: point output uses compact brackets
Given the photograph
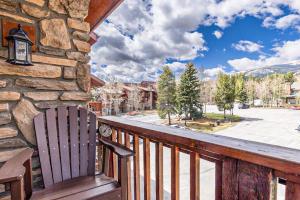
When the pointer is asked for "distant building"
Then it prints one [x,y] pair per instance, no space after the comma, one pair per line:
[294,97]
[96,106]
[116,98]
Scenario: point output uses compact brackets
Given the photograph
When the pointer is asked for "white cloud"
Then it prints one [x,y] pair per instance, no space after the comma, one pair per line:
[213,72]
[218,34]
[292,20]
[141,35]
[283,54]
[177,66]
[247,46]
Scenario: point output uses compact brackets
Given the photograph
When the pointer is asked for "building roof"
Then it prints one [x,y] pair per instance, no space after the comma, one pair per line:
[96,82]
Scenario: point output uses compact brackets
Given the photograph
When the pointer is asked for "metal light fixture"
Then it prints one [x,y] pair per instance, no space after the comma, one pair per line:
[19,47]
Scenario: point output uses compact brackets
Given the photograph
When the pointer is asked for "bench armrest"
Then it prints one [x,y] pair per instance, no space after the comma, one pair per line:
[14,169]
[117,148]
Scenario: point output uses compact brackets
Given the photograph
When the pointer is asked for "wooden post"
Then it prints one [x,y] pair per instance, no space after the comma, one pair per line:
[17,190]
[28,178]
[175,173]
[136,167]
[218,180]
[147,179]
[159,171]
[127,144]
[229,179]
[244,180]
[292,191]
[194,176]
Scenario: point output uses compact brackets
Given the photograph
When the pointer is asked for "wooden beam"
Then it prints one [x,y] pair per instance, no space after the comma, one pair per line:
[100,10]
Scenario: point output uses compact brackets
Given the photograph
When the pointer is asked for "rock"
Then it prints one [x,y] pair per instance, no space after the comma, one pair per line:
[52,51]
[54,104]
[79,25]
[37,70]
[44,84]
[69,72]
[82,46]
[5,118]
[53,61]
[77,8]
[4,107]
[16,17]
[8,154]
[81,35]
[24,113]
[37,2]
[34,11]
[42,96]
[55,33]
[8,132]
[2,83]
[83,77]
[9,96]
[8,5]
[75,96]
[56,6]
[3,53]
[9,143]
[75,55]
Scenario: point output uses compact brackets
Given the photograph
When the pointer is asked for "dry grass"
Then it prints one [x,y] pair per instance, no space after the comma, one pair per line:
[208,123]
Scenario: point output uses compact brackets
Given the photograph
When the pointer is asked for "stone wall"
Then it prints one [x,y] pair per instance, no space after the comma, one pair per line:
[59,76]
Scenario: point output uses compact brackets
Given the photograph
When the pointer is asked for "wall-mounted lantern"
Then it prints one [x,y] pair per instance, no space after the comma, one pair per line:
[19,47]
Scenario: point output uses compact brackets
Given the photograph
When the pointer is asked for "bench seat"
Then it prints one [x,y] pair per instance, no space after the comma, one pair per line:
[87,187]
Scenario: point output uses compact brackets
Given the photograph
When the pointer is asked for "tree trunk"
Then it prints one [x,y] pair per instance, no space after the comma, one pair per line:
[224,113]
[169,118]
[185,118]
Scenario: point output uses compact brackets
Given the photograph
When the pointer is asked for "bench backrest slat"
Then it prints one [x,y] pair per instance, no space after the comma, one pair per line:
[66,139]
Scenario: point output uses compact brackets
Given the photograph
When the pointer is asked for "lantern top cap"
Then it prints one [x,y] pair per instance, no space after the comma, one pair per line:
[19,33]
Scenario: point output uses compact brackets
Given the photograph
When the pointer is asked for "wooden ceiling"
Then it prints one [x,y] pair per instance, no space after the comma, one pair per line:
[99,10]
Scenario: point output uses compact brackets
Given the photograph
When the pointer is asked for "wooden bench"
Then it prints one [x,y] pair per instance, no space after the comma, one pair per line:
[67,139]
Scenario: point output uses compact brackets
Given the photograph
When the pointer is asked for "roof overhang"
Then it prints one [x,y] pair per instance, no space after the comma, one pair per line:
[99,10]
[96,82]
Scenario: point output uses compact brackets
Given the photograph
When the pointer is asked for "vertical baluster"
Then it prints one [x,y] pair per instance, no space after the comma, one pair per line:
[119,137]
[159,171]
[218,180]
[194,176]
[175,173]
[127,144]
[136,167]
[120,141]
[147,180]
[114,156]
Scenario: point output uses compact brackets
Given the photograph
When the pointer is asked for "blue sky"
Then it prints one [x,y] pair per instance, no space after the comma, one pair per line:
[248,28]
[141,36]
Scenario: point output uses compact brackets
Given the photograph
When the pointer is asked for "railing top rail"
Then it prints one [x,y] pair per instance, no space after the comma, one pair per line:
[275,157]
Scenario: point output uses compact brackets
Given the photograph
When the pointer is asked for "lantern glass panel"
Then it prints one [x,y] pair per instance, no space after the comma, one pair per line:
[11,50]
[21,50]
[29,53]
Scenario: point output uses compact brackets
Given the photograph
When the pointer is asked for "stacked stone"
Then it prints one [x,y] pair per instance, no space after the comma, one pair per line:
[60,74]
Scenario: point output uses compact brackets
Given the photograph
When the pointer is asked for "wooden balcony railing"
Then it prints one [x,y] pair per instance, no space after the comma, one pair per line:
[244,170]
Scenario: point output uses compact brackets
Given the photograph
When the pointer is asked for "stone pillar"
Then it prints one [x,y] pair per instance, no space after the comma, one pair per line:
[60,74]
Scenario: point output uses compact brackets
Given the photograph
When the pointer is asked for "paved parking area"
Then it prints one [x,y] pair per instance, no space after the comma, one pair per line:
[272,126]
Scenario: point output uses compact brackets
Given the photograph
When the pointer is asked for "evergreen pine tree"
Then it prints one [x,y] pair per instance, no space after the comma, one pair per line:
[225,93]
[240,89]
[189,93]
[166,94]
